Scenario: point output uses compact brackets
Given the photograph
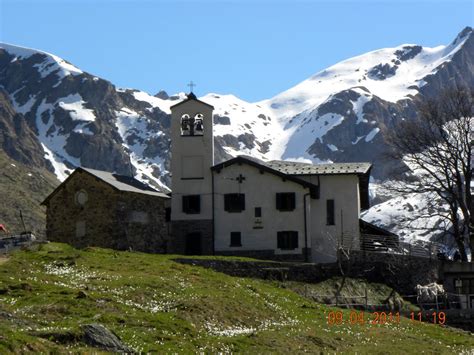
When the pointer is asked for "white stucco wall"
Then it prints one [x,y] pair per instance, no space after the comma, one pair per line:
[187,151]
[260,191]
[344,190]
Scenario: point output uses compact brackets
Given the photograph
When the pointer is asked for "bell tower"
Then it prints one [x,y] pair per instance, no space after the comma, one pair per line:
[192,156]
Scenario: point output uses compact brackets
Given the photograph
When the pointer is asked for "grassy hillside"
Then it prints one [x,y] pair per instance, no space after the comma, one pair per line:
[23,188]
[156,304]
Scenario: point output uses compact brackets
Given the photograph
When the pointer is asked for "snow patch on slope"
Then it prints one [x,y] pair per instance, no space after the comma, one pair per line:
[358,105]
[134,132]
[248,119]
[50,63]
[354,72]
[163,105]
[53,141]
[372,134]
[411,216]
[305,133]
[75,105]
[26,107]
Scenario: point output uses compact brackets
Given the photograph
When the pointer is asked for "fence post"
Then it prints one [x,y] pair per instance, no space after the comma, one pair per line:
[366,298]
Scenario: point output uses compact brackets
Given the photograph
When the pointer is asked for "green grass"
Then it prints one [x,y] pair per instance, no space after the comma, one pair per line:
[156,304]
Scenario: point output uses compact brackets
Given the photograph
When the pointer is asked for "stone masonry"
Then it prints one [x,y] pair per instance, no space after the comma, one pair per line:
[110,218]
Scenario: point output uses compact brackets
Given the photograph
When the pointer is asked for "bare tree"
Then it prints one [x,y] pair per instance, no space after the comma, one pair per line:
[436,147]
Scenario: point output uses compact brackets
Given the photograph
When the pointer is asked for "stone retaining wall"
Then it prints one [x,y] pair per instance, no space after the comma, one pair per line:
[401,273]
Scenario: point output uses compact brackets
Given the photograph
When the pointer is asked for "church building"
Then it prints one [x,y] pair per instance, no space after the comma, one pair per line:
[265,209]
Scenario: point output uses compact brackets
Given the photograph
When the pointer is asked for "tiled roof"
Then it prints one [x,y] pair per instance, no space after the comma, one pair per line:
[296,168]
[292,170]
[125,183]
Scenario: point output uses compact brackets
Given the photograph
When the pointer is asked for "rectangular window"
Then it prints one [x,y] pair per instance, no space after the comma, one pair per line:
[234,202]
[139,217]
[330,213]
[285,201]
[258,212]
[235,239]
[287,240]
[167,214]
[80,229]
[467,286]
[192,204]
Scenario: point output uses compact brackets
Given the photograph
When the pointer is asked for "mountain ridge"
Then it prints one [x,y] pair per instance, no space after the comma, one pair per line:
[83,120]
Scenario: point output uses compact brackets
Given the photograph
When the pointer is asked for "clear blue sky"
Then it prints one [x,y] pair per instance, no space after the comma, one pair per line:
[253,49]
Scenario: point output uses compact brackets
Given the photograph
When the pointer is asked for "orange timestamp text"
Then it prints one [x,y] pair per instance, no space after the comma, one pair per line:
[361,317]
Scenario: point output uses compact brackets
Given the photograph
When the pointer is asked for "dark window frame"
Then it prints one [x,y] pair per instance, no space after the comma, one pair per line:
[187,203]
[258,212]
[330,212]
[287,240]
[234,202]
[235,239]
[286,201]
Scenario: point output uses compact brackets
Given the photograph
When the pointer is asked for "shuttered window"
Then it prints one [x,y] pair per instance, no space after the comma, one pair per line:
[287,240]
[234,202]
[285,201]
[192,204]
[235,239]
[330,213]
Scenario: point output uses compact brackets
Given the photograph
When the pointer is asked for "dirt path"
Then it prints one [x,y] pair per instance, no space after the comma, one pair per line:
[3,259]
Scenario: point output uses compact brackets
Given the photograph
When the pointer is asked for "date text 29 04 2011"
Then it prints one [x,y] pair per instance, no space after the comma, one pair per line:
[361,318]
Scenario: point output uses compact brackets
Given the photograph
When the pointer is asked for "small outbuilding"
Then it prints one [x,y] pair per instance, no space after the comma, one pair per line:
[99,208]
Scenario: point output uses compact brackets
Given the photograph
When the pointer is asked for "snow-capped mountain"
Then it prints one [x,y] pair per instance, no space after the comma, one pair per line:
[335,115]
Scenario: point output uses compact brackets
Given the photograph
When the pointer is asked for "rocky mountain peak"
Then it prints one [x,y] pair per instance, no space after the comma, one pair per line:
[467,31]
[336,115]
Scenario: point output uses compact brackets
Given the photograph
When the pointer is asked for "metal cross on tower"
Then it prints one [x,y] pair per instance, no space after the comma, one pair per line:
[191,85]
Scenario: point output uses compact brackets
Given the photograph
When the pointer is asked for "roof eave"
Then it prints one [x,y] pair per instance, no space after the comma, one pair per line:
[191,99]
[240,159]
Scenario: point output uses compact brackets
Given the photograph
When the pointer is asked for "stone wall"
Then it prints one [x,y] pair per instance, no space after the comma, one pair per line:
[267,255]
[180,230]
[107,217]
[402,274]
[149,235]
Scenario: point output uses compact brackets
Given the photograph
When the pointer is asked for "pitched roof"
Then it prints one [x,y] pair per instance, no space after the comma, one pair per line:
[369,228]
[296,168]
[259,164]
[293,169]
[119,182]
[124,183]
[193,97]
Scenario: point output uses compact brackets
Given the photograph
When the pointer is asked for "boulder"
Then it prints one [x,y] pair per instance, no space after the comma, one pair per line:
[98,336]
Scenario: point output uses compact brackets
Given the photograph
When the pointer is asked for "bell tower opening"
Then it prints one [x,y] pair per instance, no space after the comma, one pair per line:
[192,126]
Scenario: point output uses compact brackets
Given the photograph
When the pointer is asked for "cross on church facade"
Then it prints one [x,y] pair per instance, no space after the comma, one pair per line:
[240,178]
[191,85]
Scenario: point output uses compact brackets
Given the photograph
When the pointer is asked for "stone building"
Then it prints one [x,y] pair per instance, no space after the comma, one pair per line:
[244,206]
[98,208]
